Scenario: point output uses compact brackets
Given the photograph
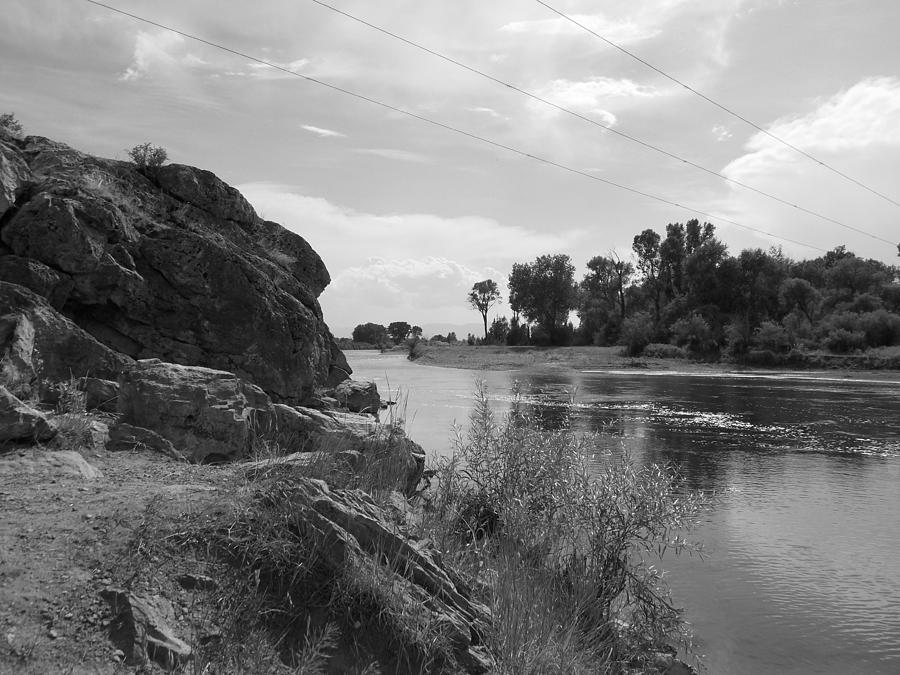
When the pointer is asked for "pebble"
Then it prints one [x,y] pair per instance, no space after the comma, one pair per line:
[53,634]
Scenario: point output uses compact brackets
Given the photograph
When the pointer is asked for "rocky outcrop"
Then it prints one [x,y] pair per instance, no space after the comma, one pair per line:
[211,415]
[351,532]
[358,396]
[141,629]
[178,268]
[20,422]
[38,343]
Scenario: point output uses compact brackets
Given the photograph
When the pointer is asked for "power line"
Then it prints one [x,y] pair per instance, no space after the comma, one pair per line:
[448,127]
[718,105]
[597,123]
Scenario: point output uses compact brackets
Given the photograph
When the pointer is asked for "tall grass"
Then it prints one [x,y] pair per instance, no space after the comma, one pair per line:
[565,543]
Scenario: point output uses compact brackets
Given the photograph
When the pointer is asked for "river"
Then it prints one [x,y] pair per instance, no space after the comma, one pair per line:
[801,566]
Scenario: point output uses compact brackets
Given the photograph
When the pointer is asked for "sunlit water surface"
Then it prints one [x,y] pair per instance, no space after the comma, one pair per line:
[801,565]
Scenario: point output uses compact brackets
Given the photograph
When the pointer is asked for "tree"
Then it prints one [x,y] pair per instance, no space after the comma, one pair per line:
[10,124]
[416,332]
[399,331]
[799,294]
[148,157]
[646,248]
[544,292]
[372,333]
[483,296]
[499,330]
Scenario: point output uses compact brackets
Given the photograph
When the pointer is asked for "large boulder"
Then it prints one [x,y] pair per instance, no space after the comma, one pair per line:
[358,396]
[38,343]
[141,629]
[350,531]
[20,422]
[209,415]
[175,265]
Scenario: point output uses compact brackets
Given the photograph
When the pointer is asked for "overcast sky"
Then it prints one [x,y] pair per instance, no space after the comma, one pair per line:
[406,215]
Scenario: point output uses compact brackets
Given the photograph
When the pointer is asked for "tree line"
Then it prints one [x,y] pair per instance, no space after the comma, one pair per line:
[683,291]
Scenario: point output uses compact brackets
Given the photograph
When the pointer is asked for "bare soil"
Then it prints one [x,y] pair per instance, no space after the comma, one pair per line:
[65,537]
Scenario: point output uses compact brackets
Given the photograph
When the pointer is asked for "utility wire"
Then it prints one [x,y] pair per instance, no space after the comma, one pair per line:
[718,105]
[442,125]
[597,123]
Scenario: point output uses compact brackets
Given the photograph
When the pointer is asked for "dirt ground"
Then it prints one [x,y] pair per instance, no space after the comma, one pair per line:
[66,533]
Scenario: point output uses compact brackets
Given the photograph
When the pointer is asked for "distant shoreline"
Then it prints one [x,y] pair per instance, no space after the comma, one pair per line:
[611,358]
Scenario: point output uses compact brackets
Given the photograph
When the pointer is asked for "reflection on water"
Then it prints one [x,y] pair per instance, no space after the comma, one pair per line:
[801,568]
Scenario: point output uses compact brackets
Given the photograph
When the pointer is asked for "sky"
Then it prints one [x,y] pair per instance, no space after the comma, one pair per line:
[407,215]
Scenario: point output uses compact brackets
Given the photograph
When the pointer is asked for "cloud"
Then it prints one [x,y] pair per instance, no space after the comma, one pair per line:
[858,132]
[153,51]
[617,31]
[866,115]
[324,133]
[392,153]
[414,267]
[261,71]
[593,96]
[721,133]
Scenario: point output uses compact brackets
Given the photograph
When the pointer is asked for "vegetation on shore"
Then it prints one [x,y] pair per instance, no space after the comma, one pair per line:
[557,542]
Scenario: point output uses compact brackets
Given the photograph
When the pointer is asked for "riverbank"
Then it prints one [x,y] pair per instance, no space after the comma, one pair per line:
[877,364]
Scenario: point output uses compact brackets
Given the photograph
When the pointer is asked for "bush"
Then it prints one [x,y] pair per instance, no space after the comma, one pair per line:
[567,549]
[694,334]
[657,350]
[761,357]
[772,337]
[11,125]
[882,328]
[637,332]
[148,157]
[841,340]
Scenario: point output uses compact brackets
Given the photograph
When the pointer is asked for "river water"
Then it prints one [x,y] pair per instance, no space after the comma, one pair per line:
[801,565]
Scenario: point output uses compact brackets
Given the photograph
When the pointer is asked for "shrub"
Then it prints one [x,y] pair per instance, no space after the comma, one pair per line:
[657,350]
[772,337]
[567,549]
[693,333]
[11,125]
[882,328]
[148,157]
[637,331]
[761,357]
[841,340]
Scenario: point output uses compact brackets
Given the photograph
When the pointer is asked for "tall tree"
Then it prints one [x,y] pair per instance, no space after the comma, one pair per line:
[646,248]
[373,333]
[484,295]
[544,291]
[399,331]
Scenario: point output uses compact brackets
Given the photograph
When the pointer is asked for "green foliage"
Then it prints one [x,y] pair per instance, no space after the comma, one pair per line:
[499,330]
[570,547]
[637,333]
[694,334]
[399,331]
[773,337]
[544,292]
[841,340]
[148,157]
[659,350]
[372,333]
[484,295]
[11,125]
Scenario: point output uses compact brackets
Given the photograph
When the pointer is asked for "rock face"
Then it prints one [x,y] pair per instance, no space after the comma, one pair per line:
[20,422]
[350,530]
[358,396]
[177,267]
[141,630]
[211,415]
[37,342]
